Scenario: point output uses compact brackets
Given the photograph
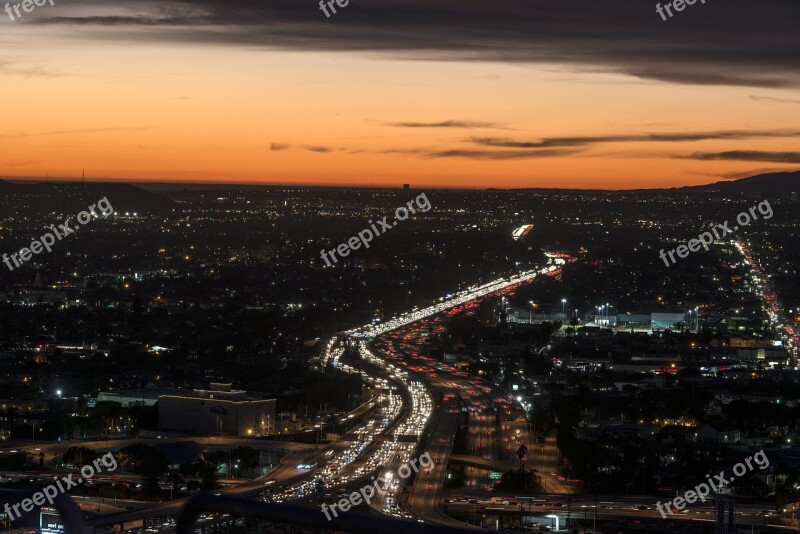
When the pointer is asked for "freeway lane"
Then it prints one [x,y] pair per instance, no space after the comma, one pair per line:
[496,423]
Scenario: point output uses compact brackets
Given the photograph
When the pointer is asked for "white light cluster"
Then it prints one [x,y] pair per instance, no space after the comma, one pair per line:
[471,293]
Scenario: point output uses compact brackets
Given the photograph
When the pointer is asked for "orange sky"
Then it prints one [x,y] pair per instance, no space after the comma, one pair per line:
[205,112]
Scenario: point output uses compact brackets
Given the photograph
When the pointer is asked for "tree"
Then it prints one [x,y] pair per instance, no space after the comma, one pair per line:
[140,458]
[150,487]
[519,481]
[208,476]
[78,456]
[521,455]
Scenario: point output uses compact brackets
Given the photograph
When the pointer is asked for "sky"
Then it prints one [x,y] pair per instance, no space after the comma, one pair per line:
[436,93]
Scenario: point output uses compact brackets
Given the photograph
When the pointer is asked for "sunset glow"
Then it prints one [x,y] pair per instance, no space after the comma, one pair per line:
[128,101]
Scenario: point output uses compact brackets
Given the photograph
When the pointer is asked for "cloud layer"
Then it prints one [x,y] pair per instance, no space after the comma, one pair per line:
[725,42]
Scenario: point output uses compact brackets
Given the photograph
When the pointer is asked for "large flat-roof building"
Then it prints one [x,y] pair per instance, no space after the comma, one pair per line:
[146,396]
[219,410]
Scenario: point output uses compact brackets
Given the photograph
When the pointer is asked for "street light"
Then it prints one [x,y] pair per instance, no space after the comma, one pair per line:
[563,310]
[530,315]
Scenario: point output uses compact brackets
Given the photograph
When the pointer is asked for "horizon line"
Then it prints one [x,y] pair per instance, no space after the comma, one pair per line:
[141,181]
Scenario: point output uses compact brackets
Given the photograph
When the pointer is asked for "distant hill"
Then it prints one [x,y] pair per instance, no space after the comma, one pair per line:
[39,198]
[772,184]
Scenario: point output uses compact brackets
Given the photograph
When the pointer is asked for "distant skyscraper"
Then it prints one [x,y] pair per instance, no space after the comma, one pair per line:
[406,186]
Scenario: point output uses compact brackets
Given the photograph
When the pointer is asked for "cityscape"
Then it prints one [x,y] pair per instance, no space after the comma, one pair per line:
[384,267]
[531,343]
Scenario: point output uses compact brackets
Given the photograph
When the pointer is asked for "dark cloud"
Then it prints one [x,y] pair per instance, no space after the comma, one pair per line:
[11,68]
[444,124]
[465,153]
[500,148]
[664,137]
[501,154]
[746,155]
[770,99]
[730,42]
[276,147]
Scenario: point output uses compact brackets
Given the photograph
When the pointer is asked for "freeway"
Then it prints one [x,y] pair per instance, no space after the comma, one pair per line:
[408,383]
[496,423]
[493,427]
[420,406]
[447,303]
[427,401]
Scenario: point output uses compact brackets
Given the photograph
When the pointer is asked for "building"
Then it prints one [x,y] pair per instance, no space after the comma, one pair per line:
[667,321]
[146,396]
[219,410]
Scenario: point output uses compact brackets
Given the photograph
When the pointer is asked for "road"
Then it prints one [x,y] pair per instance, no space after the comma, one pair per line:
[496,423]
[607,507]
[421,405]
[383,443]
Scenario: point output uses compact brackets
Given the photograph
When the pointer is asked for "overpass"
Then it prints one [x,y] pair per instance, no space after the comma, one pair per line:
[483,463]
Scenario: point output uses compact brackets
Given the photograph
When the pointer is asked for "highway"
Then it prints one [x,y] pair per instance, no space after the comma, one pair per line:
[416,404]
[427,400]
[419,407]
[496,423]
